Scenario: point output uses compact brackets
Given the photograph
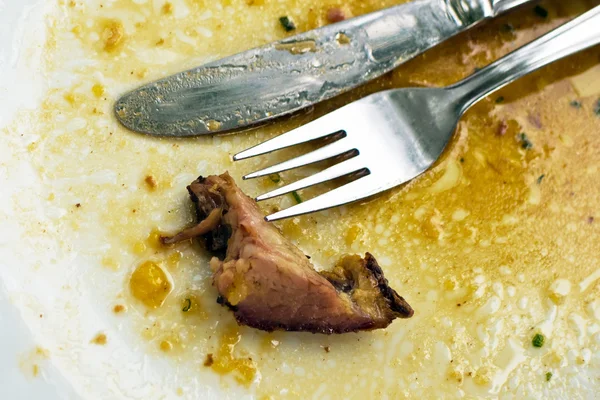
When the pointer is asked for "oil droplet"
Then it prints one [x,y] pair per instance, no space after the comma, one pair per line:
[150,284]
[224,361]
[98,90]
[166,346]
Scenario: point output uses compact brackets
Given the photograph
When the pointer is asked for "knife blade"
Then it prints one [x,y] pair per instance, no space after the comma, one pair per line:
[279,78]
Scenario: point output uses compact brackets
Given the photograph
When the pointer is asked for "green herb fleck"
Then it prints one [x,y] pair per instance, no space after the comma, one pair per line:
[540,11]
[540,178]
[296,197]
[500,100]
[575,104]
[187,305]
[275,178]
[548,376]
[287,24]
[538,340]
[597,108]
[525,142]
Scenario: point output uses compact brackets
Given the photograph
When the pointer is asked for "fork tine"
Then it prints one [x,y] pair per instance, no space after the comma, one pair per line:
[342,146]
[320,128]
[344,168]
[355,190]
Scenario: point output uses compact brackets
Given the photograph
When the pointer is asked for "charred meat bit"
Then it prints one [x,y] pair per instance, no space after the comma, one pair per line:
[269,283]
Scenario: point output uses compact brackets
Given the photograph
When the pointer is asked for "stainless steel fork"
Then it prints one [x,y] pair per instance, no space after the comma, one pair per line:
[391,137]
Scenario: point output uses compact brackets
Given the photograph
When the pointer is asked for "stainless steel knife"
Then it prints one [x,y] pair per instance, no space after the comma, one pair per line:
[282,77]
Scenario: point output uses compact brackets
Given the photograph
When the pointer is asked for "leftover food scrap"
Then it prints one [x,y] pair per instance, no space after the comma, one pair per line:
[270,284]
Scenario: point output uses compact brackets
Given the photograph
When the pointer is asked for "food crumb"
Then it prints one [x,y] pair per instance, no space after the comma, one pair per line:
[167,8]
[113,35]
[78,205]
[151,182]
[100,339]
[287,23]
[548,376]
[119,308]
[209,360]
[327,349]
[335,14]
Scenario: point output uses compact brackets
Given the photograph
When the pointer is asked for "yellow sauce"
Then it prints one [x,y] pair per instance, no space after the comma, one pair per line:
[150,285]
[225,362]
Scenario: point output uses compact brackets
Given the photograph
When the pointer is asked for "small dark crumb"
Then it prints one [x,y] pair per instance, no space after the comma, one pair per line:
[307,256]
[597,108]
[275,178]
[209,360]
[335,14]
[41,315]
[540,178]
[525,142]
[575,104]
[451,361]
[590,219]
[287,23]
[151,182]
[499,99]
[327,349]
[119,308]
[78,205]
[548,376]
[540,11]
[508,27]
[470,373]
[462,159]
[458,305]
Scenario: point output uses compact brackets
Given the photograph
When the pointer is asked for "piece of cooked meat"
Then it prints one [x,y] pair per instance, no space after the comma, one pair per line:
[270,284]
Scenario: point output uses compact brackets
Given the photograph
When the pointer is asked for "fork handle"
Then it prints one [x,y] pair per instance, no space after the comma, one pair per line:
[576,35]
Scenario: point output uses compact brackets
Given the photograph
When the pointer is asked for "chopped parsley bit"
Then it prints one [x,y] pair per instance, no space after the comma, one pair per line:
[287,24]
[540,11]
[525,142]
[548,376]
[597,108]
[187,306]
[540,178]
[275,178]
[538,340]
[499,99]
[575,104]
[296,197]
